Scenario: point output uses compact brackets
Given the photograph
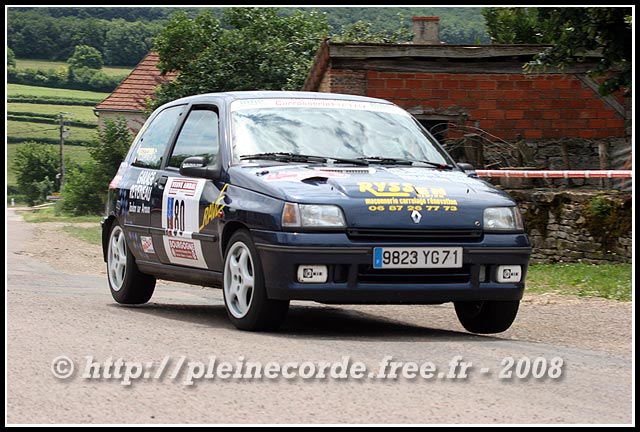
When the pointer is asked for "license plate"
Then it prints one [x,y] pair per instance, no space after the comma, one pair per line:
[417,257]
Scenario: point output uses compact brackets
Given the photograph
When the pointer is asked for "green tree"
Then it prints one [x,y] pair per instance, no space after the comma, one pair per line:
[31,35]
[361,31]
[515,25]
[11,58]
[36,166]
[86,185]
[571,32]
[85,56]
[249,49]
[127,43]
[114,141]
[88,31]
[82,192]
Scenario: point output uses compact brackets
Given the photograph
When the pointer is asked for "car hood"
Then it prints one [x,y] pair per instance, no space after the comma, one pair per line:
[378,196]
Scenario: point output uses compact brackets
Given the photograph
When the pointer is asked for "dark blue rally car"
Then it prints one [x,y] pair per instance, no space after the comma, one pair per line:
[279,196]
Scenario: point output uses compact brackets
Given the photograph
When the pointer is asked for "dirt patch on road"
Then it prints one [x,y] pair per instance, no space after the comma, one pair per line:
[64,252]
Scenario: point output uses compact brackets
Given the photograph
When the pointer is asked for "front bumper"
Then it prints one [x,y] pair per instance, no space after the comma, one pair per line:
[352,279]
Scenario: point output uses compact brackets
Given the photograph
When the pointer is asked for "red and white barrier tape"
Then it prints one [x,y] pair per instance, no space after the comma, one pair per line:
[555,174]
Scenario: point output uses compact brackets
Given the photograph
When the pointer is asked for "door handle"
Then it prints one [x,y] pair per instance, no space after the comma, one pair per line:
[161,181]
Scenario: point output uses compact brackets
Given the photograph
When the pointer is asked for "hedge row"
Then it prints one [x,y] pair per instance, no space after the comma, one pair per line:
[67,142]
[30,114]
[74,79]
[48,120]
[48,100]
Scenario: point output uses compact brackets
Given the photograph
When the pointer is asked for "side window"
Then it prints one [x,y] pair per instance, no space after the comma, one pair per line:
[155,139]
[198,137]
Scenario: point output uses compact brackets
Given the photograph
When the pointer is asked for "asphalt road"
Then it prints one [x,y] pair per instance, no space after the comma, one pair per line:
[52,314]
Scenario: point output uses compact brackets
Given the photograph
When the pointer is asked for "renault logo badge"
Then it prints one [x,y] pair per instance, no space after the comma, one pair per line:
[416,216]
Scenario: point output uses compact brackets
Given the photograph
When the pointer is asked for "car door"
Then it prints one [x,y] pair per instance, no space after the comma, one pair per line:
[182,220]
[137,185]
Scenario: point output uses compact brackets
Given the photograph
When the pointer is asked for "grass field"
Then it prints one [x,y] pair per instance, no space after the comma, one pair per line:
[76,153]
[25,90]
[76,112]
[22,131]
[27,131]
[46,64]
[584,280]
[48,214]
[91,235]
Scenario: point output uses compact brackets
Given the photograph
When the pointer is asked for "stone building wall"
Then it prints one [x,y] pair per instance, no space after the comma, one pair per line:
[588,226]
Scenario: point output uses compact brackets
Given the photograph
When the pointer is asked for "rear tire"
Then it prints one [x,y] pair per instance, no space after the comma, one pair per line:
[127,284]
[487,317]
[245,296]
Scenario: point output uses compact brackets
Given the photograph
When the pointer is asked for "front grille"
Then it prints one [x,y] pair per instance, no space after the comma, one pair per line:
[457,236]
[367,274]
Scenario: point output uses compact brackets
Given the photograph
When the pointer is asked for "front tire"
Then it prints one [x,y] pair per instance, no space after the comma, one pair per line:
[245,296]
[126,283]
[487,317]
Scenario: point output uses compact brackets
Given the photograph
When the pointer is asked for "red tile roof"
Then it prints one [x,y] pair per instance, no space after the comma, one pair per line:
[134,90]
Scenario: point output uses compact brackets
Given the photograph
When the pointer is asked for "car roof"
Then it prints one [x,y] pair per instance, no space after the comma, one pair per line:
[271,94]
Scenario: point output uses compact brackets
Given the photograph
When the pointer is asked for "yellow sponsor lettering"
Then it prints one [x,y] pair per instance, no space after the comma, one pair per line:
[214,209]
[422,191]
[438,192]
[382,189]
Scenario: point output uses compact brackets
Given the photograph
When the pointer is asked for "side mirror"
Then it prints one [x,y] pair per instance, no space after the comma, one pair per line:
[467,168]
[197,166]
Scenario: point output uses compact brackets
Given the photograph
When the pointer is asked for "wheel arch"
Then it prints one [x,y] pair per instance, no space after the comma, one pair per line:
[107,223]
[229,230]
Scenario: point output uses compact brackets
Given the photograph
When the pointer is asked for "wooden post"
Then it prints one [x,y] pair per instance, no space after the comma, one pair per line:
[605,162]
[61,118]
[566,162]
[479,146]
[520,154]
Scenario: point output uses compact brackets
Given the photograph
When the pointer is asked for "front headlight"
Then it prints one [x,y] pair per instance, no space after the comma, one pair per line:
[312,216]
[503,219]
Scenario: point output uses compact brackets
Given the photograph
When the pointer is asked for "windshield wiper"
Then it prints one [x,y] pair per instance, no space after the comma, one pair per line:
[399,161]
[294,157]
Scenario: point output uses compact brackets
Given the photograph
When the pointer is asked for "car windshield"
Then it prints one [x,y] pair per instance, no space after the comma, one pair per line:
[338,129]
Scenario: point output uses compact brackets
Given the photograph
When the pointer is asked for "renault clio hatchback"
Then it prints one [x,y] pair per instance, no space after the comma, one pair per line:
[279,196]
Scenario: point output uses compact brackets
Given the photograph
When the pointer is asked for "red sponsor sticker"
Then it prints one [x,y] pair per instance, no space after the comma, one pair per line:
[147,244]
[187,187]
[183,249]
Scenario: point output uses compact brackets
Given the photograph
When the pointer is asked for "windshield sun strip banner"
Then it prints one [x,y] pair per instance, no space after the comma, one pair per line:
[247,104]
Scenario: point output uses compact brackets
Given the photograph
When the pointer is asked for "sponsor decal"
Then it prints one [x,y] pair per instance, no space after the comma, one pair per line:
[181,206]
[123,202]
[184,251]
[316,103]
[115,182]
[421,175]
[214,210]
[175,216]
[139,208]
[302,174]
[146,154]
[147,244]
[141,190]
[395,196]
[182,187]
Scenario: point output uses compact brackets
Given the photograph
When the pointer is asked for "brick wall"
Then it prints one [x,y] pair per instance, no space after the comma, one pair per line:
[348,81]
[536,107]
